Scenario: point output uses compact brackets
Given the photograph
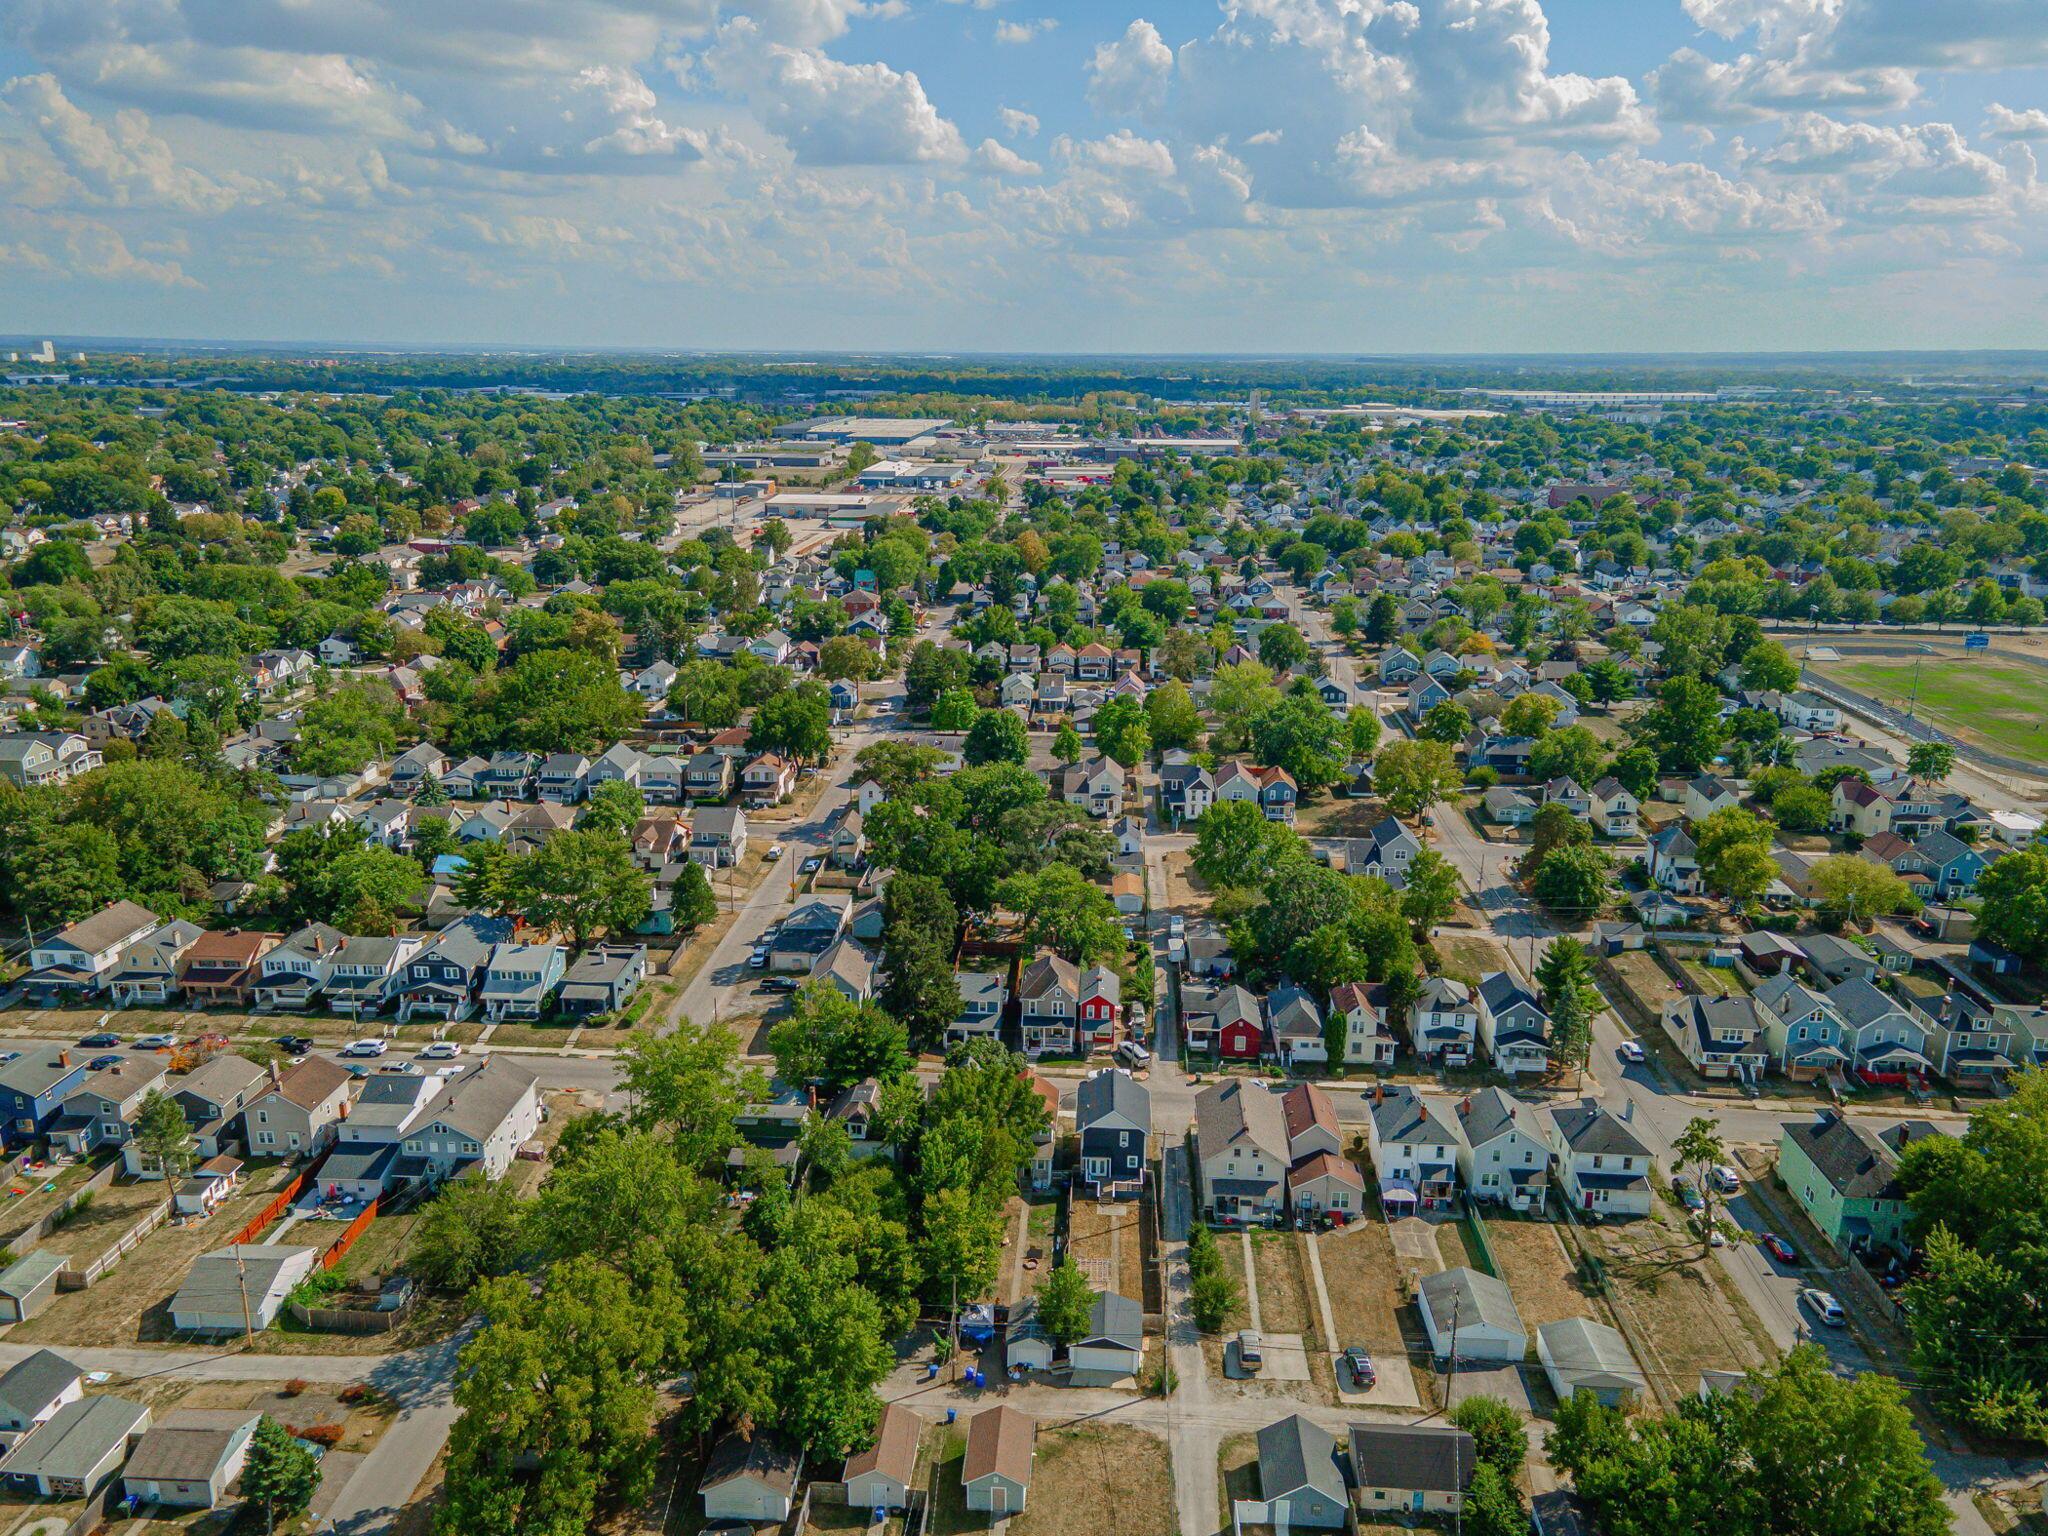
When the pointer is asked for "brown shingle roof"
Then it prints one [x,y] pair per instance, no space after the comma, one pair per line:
[309,1084]
[894,1453]
[1000,1441]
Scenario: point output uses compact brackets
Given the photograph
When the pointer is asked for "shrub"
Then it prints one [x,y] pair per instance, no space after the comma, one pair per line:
[328,1435]
[294,1388]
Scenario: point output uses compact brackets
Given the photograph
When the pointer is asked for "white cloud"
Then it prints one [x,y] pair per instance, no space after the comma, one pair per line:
[1129,76]
[1018,125]
[2003,122]
[834,113]
[124,164]
[1692,88]
[1852,34]
[1874,173]
[1016,32]
[1001,160]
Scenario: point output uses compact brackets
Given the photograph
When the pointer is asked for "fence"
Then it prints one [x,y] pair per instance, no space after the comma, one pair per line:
[355,1229]
[32,1235]
[350,1319]
[79,1279]
[279,1203]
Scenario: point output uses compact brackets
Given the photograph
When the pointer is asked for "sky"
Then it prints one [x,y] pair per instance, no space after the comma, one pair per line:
[1256,176]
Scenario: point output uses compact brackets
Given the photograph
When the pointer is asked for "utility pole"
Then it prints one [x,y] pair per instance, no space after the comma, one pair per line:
[1450,1402]
[242,1280]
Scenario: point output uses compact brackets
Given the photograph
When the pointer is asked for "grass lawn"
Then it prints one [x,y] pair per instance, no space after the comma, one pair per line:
[1537,1268]
[1285,1305]
[1076,1470]
[27,1198]
[1237,1472]
[1451,1243]
[1466,957]
[1368,1302]
[1993,702]
[1713,981]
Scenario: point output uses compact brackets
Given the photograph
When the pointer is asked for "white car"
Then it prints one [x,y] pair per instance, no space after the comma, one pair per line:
[774,852]
[365,1048]
[1726,1179]
[757,959]
[1825,1307]
[441,1050]
[1632,1051]
[155,1042]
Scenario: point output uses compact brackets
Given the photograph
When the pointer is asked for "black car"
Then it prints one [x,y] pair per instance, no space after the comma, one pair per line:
[294,1045]
[101,1063]
[100,1041]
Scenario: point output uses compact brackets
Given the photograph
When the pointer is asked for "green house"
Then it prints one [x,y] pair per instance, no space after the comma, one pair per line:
[1845,1177]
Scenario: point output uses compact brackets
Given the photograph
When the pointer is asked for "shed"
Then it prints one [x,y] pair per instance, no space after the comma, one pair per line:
[28,1284]
[33,1389]
[190,1460]
[750,1479]
[1026,1344]
[996,1471]
[1413,1468]
[1581,1356]
[1300,1481]
[880,1476]
[1478,1311]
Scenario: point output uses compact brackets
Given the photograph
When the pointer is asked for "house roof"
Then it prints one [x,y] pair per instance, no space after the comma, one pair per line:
[107,926]
[34,1383]
[478,1103]
[1308,1108]
[1000,1442]
[1326,1165]
[1112,1092]
[30,1271]
[1493,1112]
[894,1452]
[1297,1453]
[189,1445]
[219,1080]
[1238,1111]
[312,1082]
[1590,1353]
[1400,1114]
[1431,1458]
[1854,1159]
[1464,1296]
[1588,1128]
[766,1456]
[75,1440]
[1115,1320]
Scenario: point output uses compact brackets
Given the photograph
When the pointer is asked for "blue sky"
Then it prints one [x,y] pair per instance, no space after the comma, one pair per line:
[1251,175]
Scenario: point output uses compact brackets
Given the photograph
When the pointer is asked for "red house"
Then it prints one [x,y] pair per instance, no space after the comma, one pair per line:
[1101,1007]
[1224,1021]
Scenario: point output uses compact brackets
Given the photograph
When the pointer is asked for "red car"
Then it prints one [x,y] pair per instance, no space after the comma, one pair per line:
[1778,1248]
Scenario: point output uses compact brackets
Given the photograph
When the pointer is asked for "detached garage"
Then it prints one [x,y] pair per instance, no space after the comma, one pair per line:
[233,1289]
[1477,1311]
[28,1285]
[1579,1356]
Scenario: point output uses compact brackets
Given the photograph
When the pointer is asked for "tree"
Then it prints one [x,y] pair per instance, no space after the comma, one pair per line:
[163,1136]
[1767,667]
[1735,853]
[1361,732]
[1684,726]
[1383,619]
[1175,721]
[1574,882]
[828,1038]
[919,926]
[1065,1302]
[1239,693]
[1492,1507]
[1496,1429]
[1700,1148]
[692,902]
[1529,715]
[1802,808]
[1431,893]
[796,723]
[1934,760]
[470,1230]
[1282,648]
[846,656]
[1853,889]
[1064,911]
[1122,732]
[1236,845]
[613,806]
[581,881]
[279,1472]
[1300,735]
[997,736]
[961,1245]
[2013,894]
[1572,753]
[1449,722]
[1412,776]
[687,1087]
[954,710]
[1066,743]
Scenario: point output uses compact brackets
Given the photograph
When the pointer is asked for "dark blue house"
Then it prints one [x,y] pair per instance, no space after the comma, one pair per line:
[1113,1112]
[33,1087]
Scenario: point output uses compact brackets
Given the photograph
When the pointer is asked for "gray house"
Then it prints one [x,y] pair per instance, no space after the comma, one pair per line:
[191,1458]
[603,979]
[33,1390]
[75,1452]
[1300,1480]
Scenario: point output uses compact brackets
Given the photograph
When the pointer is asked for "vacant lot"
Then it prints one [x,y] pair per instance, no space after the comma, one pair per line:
[1466,956]
[1285,1305]
[1186,891]
[1108,1243]
[1364,1279]
[1992,702]
[1713,980]
[1076,1470]
[1335,817]
[1646,980]
[1538,1270]
[1683,1306]
[28,1196]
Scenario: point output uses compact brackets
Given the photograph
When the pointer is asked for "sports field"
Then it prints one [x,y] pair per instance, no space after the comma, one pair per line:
[1997,704]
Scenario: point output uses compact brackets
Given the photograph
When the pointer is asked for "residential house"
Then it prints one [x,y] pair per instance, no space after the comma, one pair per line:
[562,778]
[1096,785]
[1414,1151]
[1301,1480]
[519,979]
[1474,1315]
[1566,792]
[1707,794]
[1578,1355]
[1859,808]
[291,973]
[1513,1027]
[220,969]
[1801,1031]
[603,979]
[1674,863]
[100,1111]
[34,1388]
[1443,1022]
[1311,1119]
[1101,1008]
[1368,1041]
[1614,809]
[718,836]
[79,958]
[983,995]
[1603,1167]
[1049,998]
[480,1121]
[33,1088]
[76,1451]
[212,1097]
[807,933]
[362,978]
[1186,789]
[297,1113]
[1844,1174]
[848,968]
[190,1458]
[1225,1021]
[1296,1027]
[1240,1152]
[881,1476]
[1503,1152]
[1272,790]
[1721,1036]
[29,759]
[1509,806]
[146,974]
[708,775]
[767,780]
[443,979]
[1411,1469]
[1973,1048]
[1885,1036]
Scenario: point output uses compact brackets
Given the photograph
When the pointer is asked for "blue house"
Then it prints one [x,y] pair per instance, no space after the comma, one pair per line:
[33,1087]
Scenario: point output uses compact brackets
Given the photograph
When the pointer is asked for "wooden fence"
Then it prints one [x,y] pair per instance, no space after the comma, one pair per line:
[79,1279]
[355,1229]
[279,1203]
[350,1319]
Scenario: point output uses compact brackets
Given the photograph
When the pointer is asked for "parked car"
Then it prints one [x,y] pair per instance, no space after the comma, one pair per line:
[101,1063]
[757,960]
[369,1047]
[781,984]
[1133,1055]
[441,1050]
[402,1068]
[1363,1372]
[1778,1248]
[100,1041]
[1824,1306]
[1726,1179]
[294,1045]
[774,852]
[1688,1197]
[156,1042]
[812,864]
[1630,1051]
[1250,1351]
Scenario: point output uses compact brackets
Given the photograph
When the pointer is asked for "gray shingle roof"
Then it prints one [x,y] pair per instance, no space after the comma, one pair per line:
[1297,1453]
[1433,1458]
[1466,1296]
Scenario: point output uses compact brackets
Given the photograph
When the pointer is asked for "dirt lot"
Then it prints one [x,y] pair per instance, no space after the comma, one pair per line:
[1687,1310]
[1713,980]
[1364,1279]
[1185,890]
[362,1423]
[129,1302]
[1108,1243]
[1539,1271]
[1334,817]
[1466,957]
[1076,1468]
[1285,1305]
[1645,979]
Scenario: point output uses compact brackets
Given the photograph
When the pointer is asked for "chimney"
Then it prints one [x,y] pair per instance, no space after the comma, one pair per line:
[276,1078]
[63,1058]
